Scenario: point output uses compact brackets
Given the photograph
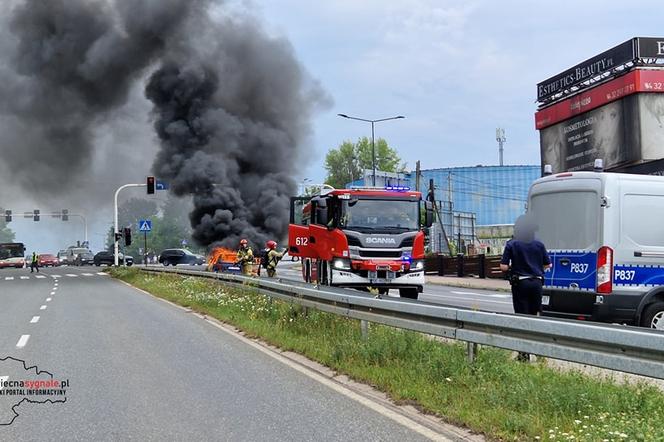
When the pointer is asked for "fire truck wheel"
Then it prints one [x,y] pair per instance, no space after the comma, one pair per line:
[410,293]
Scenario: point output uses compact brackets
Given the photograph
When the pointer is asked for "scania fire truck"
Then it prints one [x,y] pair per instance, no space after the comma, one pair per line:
[362,238]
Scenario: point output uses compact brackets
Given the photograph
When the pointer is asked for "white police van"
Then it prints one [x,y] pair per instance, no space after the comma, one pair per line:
[605,236]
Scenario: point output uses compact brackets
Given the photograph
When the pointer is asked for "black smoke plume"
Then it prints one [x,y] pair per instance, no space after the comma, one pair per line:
[231,104]
[232,110]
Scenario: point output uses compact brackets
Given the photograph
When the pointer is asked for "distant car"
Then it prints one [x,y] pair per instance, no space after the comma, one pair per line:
[179,256]
[62,257]
[108,258]
[84,258]
[48,260]
[128,260]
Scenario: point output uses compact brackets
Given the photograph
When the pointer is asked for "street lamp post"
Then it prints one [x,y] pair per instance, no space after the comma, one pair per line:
[373,144]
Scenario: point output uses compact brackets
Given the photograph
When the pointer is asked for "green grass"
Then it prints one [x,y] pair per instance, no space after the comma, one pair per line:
[496,396]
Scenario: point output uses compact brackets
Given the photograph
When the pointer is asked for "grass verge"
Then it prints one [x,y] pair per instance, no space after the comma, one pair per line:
[496,396]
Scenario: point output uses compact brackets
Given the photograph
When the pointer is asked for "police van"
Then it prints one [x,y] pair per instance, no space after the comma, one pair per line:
[605,235]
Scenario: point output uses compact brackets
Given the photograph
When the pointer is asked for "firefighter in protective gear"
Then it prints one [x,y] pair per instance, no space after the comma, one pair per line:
[245,257]
[273,258]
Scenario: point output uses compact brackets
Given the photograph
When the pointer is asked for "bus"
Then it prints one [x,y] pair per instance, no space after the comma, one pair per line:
[12,254]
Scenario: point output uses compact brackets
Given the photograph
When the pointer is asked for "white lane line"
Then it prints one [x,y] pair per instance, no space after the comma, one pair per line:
[467,300]
[9,278]
[40,276]
[491,295]
[21,342]
[102,274]
[43,307]
[34,320]
[55,288]
[25,277]
[71,275]
[52,293]
[48,299]
[87,274]
[55,276]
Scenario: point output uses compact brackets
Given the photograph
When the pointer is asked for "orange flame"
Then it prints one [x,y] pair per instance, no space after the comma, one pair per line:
[223,254]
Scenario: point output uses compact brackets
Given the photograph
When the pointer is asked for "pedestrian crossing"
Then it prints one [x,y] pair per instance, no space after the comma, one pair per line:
[66,275]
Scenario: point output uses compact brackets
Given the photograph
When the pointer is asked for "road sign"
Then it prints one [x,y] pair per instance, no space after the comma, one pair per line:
[145,225]
[184,242]
[161,185]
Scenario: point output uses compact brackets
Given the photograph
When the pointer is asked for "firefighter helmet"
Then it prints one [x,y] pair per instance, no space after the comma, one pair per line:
[243,242]
[271,245]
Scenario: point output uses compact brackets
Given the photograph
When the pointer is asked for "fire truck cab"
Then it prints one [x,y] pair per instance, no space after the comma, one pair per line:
[361,238]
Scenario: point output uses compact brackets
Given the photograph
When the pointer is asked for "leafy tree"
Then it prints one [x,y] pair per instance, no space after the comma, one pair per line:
[347,162]
[6,234]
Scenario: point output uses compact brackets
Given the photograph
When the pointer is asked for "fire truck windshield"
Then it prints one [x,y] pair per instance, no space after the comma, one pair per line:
[380,215]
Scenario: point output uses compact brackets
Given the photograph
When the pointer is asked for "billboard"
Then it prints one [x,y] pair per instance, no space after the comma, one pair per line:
[634,51]
[623,133]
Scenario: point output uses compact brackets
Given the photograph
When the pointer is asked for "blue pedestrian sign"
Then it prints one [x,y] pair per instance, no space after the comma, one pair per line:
[145,225]
[161,185]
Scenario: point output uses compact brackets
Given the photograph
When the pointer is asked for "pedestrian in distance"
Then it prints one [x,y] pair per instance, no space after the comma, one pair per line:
[34,264]
[245,258]
[273,258]
[525,259]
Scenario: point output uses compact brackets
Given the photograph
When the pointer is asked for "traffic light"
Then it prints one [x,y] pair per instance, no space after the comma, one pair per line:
[35,215]
[65,215]
[118,236]
[127,236]
[8,216]
[150,185]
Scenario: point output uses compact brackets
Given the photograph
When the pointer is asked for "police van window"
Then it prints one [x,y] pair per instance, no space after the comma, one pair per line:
[642,217]
[567,220]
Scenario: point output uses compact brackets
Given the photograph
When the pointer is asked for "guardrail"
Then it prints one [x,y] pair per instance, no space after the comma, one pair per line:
[463,265]
[623,348]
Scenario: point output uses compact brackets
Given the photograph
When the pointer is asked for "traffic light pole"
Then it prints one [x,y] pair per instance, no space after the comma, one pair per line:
[115,210]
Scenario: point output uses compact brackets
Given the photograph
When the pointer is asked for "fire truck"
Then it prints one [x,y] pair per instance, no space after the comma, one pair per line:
[362,238]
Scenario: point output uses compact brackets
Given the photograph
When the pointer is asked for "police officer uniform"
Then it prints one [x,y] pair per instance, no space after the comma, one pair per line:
[526,261]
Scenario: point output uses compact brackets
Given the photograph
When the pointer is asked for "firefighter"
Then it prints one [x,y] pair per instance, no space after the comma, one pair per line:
[34,264]
[245,257]
[273,258]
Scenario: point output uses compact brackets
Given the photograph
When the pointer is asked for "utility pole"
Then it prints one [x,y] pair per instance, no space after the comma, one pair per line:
[116,232]
[418,175]
[449,190]
[500,137]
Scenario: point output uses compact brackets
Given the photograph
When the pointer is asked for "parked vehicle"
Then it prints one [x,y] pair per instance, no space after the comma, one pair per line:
[48,260]
[108,258]
[180,256]
[606,241]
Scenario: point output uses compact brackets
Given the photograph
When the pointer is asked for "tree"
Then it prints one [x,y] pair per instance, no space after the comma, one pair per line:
[6,234]
[347,162]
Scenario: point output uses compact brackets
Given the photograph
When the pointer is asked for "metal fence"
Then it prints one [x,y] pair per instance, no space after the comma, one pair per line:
[623,348]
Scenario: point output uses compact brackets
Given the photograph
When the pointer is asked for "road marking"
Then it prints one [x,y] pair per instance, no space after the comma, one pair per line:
[492,295]
[102,274]
[54,288]
[34,320]
[21,342]
[87,274]
[9,278]
[52,293]
[43,307]
[71,275]
[48,299]
[467,300]
[55,276]
[40,276]
[25,277]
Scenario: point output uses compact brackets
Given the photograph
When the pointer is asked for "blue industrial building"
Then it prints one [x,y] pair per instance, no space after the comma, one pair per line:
[495,194]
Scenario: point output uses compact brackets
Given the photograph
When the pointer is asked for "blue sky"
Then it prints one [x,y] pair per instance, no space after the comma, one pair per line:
[455,69]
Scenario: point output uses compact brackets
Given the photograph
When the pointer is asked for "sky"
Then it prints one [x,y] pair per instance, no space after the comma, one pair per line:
[456,70]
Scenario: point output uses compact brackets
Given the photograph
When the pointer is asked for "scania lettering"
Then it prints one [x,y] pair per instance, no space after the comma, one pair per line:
[362,238]
[606,240]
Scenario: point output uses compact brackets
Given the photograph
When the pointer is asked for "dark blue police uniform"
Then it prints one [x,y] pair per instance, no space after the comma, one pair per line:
[527,261]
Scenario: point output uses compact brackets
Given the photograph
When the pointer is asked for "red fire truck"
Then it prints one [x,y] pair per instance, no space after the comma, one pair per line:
[362,237]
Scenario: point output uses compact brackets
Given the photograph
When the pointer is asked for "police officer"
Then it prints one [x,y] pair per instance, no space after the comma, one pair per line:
[245,257]
[34,264]
[273,258]
[526,259]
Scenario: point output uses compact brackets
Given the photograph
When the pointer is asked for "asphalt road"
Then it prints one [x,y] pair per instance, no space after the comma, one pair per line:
[142,369]
[476,299]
